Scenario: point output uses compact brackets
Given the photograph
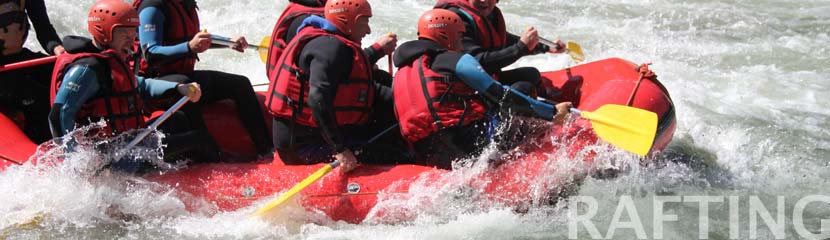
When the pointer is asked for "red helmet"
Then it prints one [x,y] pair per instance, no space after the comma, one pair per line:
[442,26]
[106,15]
[344,13]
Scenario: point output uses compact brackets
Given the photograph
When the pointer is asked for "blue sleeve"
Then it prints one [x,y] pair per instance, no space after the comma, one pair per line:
[472,73]
[151,36]
[154,88]
[79,85]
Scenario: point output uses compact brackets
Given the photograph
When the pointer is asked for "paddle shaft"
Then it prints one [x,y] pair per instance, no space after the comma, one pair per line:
[178,105]
[550,44]
[390,65]
[227,42]
[145,132]
[572,49]
[28,63]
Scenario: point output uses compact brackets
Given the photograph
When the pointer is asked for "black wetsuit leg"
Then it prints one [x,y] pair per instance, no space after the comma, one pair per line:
[186,141]
[309,146]
[451,144]
[523,74]
[389,147]
[218,86]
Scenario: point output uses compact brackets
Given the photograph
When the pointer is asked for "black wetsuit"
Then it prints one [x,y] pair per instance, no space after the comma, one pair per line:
[314,145]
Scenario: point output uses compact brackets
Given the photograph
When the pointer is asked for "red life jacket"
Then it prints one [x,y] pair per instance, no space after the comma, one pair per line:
[288,93]
[291,12]
[180,25]
[119,102]
[427,101]
[488,34]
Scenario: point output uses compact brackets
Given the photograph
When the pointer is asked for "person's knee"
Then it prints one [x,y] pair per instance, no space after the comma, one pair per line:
[532,75]
[525,87]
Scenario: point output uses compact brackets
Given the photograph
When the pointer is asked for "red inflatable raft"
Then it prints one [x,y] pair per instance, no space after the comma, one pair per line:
[354,196]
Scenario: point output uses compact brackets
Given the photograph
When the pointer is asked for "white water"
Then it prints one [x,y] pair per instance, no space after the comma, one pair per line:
[746,77]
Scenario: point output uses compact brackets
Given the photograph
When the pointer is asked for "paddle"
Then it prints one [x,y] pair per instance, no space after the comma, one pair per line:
[27,63]
[297,188]
[572,49]
[178,105]
[145,132]
[262,48]
[629,128]
[311,179]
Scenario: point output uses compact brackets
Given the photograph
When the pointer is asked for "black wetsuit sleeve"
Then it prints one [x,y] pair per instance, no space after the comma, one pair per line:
[374,53]
[446,62]
[328,61]
[492,59]
[46,34]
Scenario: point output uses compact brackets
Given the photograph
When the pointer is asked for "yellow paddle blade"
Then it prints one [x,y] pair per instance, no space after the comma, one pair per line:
[575,51]
[629,128]
[262,49]
[296,189]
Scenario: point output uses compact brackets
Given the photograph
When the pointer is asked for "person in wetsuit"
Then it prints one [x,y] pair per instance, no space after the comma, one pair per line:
[443,96]
[93,81]
[288,26]
[170,40]
[487,39]
[324,97]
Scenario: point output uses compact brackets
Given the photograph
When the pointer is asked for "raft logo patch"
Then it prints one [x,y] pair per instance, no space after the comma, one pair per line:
[71,86]
[149,27]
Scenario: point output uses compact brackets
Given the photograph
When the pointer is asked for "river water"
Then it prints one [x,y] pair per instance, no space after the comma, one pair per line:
[752,138]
